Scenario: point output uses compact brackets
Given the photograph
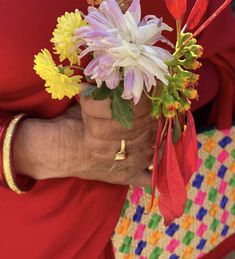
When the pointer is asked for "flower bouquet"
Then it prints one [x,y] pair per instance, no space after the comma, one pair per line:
[126,62]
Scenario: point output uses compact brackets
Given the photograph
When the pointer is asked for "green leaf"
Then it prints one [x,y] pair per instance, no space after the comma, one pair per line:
[176,134]
[88,91]
[101,93]
[121,109]
[156,108]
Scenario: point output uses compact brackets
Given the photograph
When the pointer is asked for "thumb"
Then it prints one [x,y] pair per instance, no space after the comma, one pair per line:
[94,108]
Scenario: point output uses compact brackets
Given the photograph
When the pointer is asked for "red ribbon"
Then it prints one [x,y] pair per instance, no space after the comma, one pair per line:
[173,171]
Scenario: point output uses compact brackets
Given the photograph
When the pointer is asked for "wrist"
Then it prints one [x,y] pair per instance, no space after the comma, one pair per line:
[38,151]
[22,150]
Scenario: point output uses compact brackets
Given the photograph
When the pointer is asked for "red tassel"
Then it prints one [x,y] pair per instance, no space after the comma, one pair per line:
[177,8]
[186,150]
[170,184]
[155,160]
[196,14]
[212,17]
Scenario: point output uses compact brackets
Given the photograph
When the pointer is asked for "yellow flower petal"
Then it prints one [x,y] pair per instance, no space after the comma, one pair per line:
[60,81]
[64,40]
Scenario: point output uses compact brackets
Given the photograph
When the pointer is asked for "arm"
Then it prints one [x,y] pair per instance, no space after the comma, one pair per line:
[68,146]
[51,143]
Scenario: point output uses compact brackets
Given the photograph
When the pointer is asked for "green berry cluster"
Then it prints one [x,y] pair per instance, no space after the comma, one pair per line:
[176,95]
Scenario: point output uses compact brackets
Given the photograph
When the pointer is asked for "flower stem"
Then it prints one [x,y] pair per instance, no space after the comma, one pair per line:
[178,28]
[164,130]
[183,45]
[150,97]
[75,67]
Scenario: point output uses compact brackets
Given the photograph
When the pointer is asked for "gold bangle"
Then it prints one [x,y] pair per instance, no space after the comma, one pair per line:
[7,166]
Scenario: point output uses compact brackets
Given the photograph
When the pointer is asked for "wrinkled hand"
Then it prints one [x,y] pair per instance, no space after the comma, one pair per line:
[103,137]
[82,143]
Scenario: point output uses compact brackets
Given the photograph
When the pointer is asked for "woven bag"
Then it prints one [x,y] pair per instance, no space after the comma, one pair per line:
[209,215]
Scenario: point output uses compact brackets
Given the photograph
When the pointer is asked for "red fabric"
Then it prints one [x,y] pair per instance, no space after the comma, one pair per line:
[5,119]
[223,249]
[221,52]
[73,218]
[197,14]
[59,218]
[217,75]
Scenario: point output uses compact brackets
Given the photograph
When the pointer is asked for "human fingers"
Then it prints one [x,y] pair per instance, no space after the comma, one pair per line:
[101,109]
[103,167]
[109,129]
[106,149]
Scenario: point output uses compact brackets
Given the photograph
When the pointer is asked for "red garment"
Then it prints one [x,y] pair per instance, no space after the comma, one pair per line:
[73,218]
[217,75]
[59,218]
[5,119]
[223,249]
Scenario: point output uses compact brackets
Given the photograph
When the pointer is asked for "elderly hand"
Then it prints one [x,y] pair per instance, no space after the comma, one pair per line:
[82,143]
[103,137]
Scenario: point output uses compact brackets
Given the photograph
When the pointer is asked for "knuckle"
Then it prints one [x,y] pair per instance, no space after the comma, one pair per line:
[97,109]
[141,159]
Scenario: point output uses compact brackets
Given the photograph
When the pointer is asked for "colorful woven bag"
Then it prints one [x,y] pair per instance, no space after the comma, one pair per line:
[209,216]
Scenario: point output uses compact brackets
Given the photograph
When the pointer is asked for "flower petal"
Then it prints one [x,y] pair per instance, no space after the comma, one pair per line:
[153,68]
[112,11]
[97,20]
[106,60]
[92,67]
[149,80]
[131,26]
[133,84]
[135,10]
[153,51]
[113,79]
[129,80]
[138,85]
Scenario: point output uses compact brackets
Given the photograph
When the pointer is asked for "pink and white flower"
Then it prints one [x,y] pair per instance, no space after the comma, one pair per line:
[123,48]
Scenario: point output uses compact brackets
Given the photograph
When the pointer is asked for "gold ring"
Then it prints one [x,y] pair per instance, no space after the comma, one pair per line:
[150,168]
[121,154]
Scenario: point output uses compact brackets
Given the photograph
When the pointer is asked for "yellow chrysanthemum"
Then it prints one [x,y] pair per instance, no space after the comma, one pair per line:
[60,81]
[64,40]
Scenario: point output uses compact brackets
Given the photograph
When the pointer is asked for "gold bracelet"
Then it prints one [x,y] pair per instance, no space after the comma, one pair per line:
[7,166]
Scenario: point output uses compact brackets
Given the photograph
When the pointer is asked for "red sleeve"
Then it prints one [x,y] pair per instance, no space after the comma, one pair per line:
[59,218]
[218,41]
[5,119]
[23,34]
[26,28]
